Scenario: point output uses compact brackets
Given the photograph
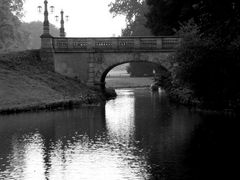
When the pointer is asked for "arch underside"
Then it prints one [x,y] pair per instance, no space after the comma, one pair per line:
[104,74]
[104,62]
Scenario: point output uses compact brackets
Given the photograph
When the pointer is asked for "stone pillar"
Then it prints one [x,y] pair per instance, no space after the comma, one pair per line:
[90,43]
[62,30]
[137,43]
[46,52]
[46,38]
[114,43]
[46,22]
[159,43]
[91,71]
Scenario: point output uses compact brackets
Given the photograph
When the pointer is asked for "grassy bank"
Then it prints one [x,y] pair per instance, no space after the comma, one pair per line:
[27,83]
[128,82]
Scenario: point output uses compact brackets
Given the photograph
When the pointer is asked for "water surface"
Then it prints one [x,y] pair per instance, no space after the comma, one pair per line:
[139,135]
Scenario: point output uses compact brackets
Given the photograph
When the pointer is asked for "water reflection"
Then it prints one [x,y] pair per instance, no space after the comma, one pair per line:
[120,117]
[91,143]
[26,159]
[139,135]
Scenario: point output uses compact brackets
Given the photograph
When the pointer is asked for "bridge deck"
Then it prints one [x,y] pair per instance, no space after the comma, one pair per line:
[116,44]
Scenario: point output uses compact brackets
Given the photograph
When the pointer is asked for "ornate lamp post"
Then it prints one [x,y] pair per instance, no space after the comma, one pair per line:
[46,38]
[62,29]
[46,30]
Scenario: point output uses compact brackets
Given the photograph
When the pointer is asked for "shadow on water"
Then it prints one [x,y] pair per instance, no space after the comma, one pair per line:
[138,135]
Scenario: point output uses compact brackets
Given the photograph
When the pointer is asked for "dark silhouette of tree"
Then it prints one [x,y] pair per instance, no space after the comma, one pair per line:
[212,16]
[164,15]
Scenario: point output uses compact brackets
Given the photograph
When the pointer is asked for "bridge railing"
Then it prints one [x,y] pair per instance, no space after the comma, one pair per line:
[116,44]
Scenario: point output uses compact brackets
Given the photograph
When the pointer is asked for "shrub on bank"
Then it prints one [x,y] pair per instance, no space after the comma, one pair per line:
[208,67]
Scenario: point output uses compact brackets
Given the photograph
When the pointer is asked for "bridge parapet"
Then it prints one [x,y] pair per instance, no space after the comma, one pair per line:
[115,44]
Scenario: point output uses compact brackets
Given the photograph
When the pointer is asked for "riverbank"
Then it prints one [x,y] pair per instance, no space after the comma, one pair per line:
[29,84]
[186,97]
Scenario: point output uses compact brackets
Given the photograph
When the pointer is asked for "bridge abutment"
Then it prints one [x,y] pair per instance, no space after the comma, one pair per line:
[47,50]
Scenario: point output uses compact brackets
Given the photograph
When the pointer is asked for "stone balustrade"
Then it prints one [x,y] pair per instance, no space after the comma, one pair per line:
[116,44]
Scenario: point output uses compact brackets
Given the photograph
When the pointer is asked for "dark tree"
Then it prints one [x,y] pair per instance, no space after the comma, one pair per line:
[164,16]
[208,59]
[213,17]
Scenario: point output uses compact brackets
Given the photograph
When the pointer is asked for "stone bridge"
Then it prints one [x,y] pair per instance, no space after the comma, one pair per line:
[90,59]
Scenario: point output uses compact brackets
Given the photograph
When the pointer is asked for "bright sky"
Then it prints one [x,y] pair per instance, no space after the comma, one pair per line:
[87,18]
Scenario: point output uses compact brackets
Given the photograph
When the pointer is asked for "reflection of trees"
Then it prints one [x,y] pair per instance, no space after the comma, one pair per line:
[164,132]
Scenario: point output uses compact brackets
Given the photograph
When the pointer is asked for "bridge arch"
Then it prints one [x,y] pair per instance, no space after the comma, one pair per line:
[163,71]
[102,63]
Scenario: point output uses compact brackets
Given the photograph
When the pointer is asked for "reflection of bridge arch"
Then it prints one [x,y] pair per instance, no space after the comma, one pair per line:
[89,59]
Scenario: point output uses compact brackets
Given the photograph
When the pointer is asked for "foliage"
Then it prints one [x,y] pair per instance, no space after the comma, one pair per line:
[218,18]
[34,30]
[10,36]
[135,11]
[213,17]
[164,16]
[208,68]
[137,27]
[128,8]
[209,56]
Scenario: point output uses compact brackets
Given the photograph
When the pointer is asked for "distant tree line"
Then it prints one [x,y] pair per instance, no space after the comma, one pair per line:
[16,35]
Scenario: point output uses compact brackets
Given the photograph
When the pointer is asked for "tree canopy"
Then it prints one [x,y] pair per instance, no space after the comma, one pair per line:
[213,16]
[134,11]
[208,59]
[10,14]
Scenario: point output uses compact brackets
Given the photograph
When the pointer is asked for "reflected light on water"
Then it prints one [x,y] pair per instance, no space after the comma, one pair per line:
[120,116]
[108,155]
[85,159]
[27,159]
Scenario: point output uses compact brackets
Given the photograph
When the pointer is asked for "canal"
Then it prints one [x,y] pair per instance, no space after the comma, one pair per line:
[138,135]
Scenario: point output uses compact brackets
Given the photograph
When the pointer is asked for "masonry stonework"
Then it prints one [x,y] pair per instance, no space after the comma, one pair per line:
[90,59]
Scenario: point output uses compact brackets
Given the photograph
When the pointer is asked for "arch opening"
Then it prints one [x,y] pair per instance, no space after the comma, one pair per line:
[159,74]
